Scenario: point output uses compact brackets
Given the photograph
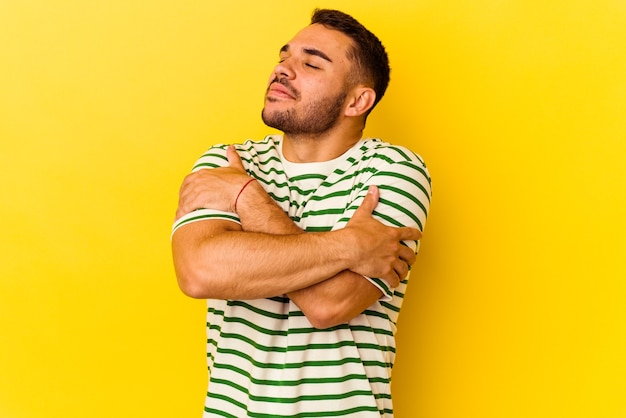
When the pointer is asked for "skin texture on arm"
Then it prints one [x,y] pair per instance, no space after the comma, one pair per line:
[337,299]
[321,272]
[217,260]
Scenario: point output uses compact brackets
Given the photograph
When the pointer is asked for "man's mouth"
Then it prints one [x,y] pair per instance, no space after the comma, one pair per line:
[281,88]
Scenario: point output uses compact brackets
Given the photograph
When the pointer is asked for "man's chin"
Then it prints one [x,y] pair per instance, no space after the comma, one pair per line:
[270,120]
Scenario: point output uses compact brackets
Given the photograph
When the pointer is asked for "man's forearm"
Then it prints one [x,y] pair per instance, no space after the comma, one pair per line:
[215,262]
[220,260]
[259,213]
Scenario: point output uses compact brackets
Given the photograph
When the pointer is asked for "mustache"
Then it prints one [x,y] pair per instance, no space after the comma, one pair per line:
[286,84]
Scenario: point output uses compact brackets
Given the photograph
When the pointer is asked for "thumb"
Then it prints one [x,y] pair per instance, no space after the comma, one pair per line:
[234,161]
[370,201]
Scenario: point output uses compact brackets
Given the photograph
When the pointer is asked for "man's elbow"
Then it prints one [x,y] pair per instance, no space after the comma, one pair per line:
[320,322]
[322,316]
[193,283]
[191,287]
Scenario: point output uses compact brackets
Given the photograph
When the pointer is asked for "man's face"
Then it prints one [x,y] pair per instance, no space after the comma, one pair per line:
[307,89]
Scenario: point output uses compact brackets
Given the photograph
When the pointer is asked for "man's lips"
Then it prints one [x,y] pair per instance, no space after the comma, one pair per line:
[278,90]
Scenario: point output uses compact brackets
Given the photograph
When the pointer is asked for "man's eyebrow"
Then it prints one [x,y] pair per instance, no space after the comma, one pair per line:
[317,53]
[309,51]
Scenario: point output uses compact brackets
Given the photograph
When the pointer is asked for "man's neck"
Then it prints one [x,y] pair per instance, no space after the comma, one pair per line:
[320,147]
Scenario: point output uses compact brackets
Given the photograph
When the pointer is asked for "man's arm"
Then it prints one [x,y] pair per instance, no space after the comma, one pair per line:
[345,295]
[221,259]
[212,258]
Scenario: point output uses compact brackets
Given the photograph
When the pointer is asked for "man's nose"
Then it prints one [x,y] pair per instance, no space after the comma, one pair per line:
[284,69]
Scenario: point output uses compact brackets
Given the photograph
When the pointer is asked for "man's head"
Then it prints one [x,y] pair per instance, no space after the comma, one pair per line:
[331,71]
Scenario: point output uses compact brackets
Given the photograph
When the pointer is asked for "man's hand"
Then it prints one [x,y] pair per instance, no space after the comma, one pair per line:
[215,188]
[377,250]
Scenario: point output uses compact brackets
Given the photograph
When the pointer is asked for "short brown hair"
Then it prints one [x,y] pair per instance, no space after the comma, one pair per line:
[369,55]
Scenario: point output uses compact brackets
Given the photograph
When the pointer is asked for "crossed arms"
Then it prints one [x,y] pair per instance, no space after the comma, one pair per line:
[268,255]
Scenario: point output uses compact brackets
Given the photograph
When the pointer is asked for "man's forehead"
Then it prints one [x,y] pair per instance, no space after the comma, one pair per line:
[330,42]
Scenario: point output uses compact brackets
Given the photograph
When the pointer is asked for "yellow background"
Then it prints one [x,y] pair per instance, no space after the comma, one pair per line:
[517,304]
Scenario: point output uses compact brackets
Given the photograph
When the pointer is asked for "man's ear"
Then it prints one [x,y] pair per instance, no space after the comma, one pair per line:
[360,101]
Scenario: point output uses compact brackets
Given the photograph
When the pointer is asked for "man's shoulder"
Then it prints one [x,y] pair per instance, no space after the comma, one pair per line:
[250,145]
[392,153]
[249,150]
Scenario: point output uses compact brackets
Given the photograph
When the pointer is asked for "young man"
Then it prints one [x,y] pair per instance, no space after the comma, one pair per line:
[302,242]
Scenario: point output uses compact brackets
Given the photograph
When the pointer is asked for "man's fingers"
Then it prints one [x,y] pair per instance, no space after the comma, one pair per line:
[234,161]
[409,234]
[370,201]
[407,255]
[401,270]
[394,281]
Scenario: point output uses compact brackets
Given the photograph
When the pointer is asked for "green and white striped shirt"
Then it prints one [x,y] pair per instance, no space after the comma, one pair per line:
[264,357]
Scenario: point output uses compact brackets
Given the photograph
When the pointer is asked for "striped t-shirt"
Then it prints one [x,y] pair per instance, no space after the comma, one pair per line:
[264,357]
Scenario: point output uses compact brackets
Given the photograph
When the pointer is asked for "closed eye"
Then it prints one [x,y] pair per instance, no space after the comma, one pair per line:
[312,66]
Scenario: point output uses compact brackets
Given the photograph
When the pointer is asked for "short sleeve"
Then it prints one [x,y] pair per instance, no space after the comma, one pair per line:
[214,157]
